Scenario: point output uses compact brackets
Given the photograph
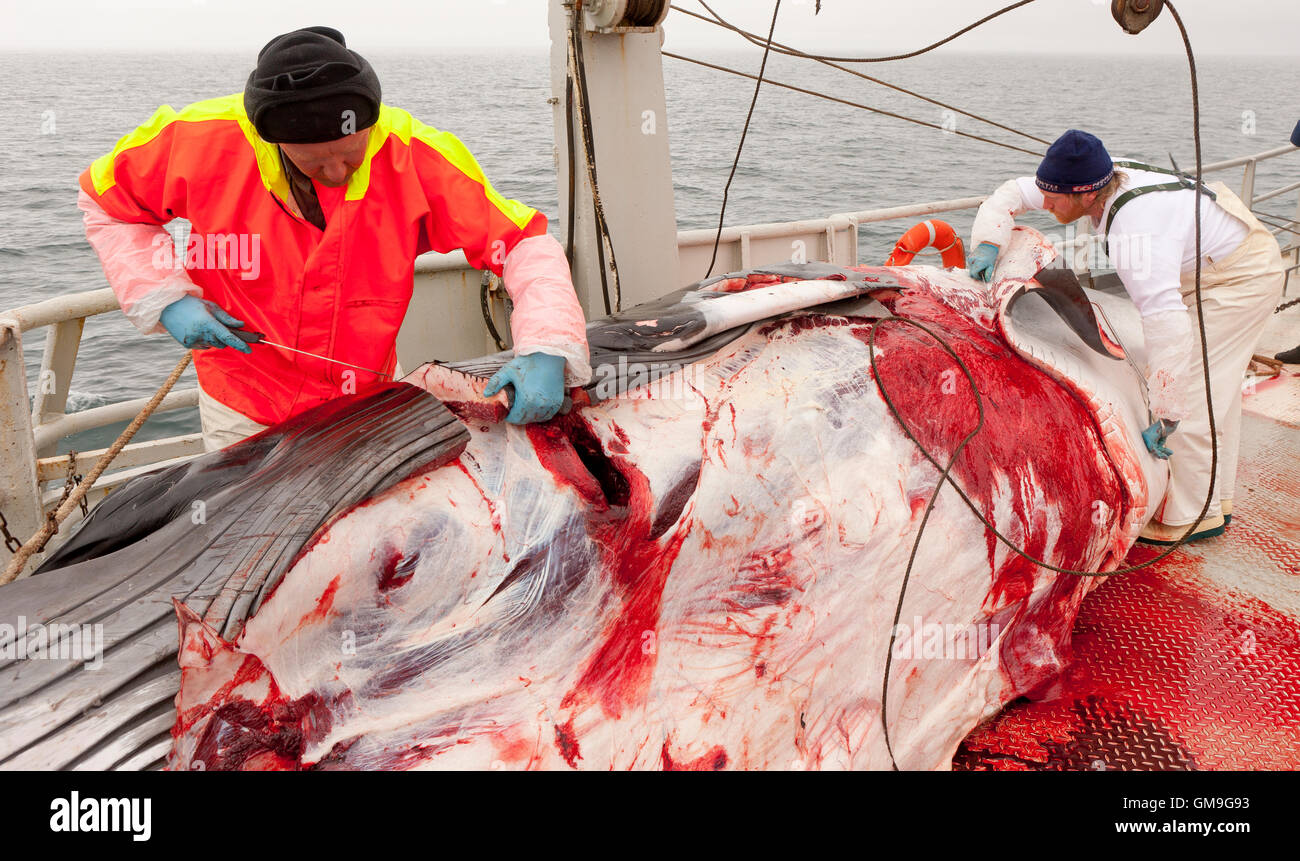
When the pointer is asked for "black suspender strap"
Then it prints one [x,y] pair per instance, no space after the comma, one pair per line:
[1132,193]
[1184,183]
[1187,181]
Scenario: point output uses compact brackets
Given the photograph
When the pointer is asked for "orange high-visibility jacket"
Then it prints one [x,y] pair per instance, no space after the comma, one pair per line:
[340,293]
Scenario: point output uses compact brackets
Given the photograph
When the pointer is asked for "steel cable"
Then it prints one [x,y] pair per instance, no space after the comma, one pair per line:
[840,101]
[758,85]
[603,236]
[1282,227]
[987,18]
[945,471]
[794,52]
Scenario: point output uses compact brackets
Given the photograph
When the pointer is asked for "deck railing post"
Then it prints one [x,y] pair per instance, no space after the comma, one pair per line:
[1295,245]
[20,500]
[55,381]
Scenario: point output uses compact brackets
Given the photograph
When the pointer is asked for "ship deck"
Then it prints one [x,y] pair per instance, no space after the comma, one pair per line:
[1194,662]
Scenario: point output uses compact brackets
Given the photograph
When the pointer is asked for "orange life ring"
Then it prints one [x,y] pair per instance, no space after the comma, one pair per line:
[929,233]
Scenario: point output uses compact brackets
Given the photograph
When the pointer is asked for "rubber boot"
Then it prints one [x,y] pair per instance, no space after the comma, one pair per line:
[1156,532]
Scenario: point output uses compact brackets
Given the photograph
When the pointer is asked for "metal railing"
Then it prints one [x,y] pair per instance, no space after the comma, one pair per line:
[833,239]
[31,428]
[1287,238]
[28,434]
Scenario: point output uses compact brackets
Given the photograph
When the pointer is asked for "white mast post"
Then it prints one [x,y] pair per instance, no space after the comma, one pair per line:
[625,82]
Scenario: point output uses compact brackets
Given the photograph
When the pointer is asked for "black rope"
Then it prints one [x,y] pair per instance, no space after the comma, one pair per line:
[602,226]
[743,132]
[641,13]
[1200,311]
[573,184]
[794,52]
[934,497]
[910,54]
[945,471]
[484,284]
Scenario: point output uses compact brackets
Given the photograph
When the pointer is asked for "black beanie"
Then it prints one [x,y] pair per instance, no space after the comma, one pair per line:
[305,84]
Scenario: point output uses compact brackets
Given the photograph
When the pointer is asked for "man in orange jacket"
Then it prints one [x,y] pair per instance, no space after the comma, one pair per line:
[309,200]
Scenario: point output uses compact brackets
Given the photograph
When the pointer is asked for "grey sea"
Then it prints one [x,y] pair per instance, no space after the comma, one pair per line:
[804,157]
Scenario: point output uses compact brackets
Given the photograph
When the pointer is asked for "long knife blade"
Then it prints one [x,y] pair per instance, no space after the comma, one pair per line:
[259,338]
[325,358]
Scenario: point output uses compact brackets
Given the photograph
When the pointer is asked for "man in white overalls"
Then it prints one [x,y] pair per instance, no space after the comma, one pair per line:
[1148,217]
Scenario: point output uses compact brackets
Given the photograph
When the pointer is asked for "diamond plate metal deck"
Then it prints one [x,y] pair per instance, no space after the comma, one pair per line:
[1167,675]
[1193,663]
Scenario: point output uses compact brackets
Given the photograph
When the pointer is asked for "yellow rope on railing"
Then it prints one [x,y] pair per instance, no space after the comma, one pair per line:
[38,541]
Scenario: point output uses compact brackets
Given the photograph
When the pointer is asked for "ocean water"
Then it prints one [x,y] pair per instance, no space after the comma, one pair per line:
[803,157]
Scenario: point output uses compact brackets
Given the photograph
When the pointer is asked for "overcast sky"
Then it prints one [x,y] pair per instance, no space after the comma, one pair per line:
[846,26]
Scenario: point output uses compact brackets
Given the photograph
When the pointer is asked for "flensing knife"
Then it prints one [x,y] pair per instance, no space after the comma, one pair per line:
[259,338]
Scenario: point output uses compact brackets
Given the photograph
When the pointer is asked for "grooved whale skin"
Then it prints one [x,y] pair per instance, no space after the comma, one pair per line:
[216,532]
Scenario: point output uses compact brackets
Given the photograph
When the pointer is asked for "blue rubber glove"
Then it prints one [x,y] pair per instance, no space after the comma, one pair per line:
[1156,435]
[198,323]
[538,381]
[982,261]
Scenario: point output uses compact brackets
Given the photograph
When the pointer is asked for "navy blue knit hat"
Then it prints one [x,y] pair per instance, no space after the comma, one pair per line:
[1295,135]
[1076,162]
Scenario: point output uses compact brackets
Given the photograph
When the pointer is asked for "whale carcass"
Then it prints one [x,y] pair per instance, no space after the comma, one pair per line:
[700,564]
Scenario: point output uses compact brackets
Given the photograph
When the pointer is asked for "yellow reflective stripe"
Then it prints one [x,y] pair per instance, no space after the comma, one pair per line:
[359,182]
[267,154]
[101,170]
[224,108]
[394,121]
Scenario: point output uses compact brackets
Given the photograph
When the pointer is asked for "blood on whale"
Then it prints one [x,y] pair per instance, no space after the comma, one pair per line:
[1036,434]
[714,760]
[637,561]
